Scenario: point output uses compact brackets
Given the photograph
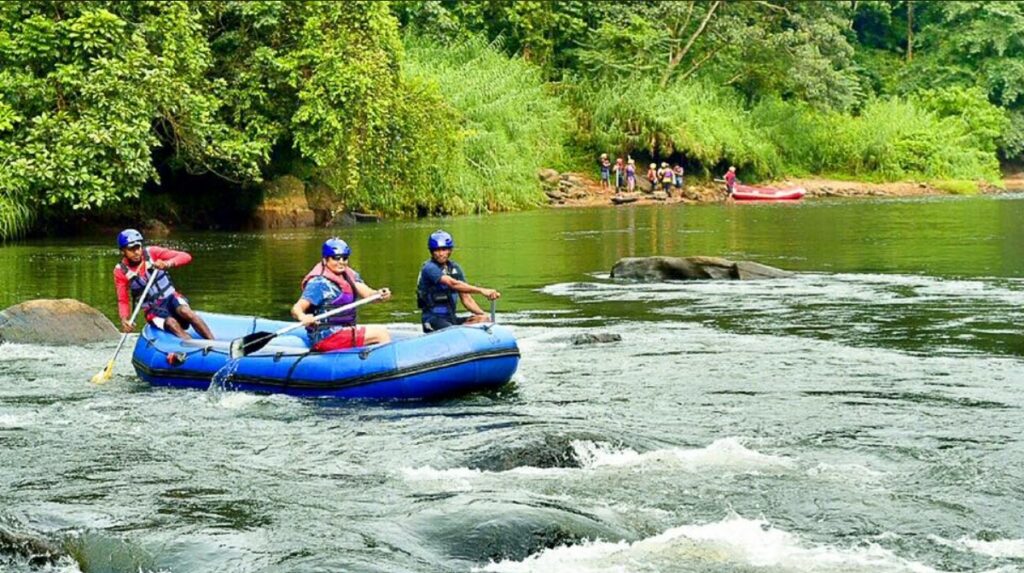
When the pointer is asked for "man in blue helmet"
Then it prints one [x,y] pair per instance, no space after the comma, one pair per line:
[441,282]
[332,284]
[164,306]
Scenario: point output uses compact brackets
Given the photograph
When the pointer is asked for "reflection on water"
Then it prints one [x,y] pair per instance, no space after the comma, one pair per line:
[522,252]
[863,416]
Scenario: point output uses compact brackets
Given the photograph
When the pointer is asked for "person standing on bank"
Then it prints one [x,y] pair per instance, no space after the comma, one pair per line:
[164,306]
[330,284]
[730,182]
[441,282]
[631,175]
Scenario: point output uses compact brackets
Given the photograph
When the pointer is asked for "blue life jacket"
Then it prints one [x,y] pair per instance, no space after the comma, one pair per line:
[162,286]
[436,299]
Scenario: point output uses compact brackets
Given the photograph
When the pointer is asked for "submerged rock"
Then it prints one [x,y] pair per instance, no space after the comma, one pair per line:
[36,550]
[692,268]
[595,338]
[54,321]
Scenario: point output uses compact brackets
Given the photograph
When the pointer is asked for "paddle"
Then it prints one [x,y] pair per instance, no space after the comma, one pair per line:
[225,345]
[252,342]
[104,375]
[494,304]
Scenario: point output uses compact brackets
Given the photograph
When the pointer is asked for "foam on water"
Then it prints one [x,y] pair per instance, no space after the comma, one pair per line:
[734,541]
[724,453]
[10,352]
[62,565]
[843,472]
[14,421]
[237,400]
[999,548]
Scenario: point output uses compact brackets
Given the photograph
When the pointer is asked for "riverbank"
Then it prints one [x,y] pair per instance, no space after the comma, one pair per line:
[579,190]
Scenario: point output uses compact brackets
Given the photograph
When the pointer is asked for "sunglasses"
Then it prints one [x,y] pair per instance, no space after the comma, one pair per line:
[338,258]
[134,246]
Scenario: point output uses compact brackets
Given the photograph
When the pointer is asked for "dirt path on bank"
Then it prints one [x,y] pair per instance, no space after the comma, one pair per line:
[584,191]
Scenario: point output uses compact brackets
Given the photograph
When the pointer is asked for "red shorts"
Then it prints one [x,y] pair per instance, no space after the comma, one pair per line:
[348,337]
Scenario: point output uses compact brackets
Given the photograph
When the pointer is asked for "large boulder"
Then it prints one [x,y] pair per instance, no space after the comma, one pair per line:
[54,321]
[747,270]
[692,268]
[284,205]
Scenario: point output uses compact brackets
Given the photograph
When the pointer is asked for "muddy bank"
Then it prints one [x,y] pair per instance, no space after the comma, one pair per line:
[579,190]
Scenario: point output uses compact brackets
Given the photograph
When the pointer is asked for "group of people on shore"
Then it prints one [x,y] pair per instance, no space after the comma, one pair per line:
[623,174]
[142,275]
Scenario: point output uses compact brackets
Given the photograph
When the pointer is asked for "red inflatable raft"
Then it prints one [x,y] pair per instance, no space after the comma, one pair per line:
[748,193]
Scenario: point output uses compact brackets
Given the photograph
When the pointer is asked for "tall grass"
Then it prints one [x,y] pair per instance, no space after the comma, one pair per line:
[701,122]
[16,218]
[510,124]
[891,139]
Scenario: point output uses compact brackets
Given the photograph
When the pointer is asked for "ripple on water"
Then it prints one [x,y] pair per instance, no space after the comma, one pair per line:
[910,312]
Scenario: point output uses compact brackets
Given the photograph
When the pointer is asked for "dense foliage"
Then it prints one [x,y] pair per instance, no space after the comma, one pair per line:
[451,106]
[649,77]
[510,125]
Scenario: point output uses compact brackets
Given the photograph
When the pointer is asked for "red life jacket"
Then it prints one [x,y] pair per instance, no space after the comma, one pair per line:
[346,282]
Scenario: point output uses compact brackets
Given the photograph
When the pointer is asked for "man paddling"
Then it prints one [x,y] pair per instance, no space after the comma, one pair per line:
[332,284]
[164,307]
[441,282]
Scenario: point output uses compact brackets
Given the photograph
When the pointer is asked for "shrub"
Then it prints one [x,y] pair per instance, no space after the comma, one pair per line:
[699,121]
[957,186]
[509,124]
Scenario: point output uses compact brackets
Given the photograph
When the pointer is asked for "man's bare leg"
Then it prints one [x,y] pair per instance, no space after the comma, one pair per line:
[174,327]
[197,322]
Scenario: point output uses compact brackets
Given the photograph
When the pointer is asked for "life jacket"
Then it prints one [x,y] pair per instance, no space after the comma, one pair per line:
[346,283]
[161,288]
[667,176]
[437,298]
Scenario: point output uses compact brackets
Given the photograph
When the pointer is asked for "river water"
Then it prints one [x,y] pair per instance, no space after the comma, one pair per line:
[865,415]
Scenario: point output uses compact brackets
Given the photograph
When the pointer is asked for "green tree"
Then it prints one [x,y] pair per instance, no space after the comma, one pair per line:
[90,90]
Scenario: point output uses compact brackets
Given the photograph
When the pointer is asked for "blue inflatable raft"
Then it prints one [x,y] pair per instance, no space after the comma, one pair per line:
[449,362]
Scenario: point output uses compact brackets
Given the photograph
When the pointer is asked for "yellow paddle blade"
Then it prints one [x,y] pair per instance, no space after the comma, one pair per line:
[104,375]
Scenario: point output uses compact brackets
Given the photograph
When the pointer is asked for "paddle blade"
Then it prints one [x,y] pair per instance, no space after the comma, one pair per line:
[104,375]
[248,344]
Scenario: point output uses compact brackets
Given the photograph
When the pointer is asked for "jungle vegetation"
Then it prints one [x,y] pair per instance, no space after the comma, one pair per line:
[452,106]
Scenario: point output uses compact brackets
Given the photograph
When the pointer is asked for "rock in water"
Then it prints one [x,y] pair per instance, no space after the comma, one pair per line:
[54,321]
[747,270]
[595,338]
[691,268]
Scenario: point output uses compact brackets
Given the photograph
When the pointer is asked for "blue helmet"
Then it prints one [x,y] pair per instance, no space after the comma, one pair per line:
[440,240]
[128,237]
[334,247]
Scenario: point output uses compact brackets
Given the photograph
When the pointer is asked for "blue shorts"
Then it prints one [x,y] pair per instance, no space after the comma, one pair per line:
[165,308]
[437,322]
